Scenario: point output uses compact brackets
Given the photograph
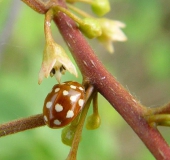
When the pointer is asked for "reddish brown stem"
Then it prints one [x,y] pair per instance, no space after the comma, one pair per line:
[21,125]
[93,70]
[40,6]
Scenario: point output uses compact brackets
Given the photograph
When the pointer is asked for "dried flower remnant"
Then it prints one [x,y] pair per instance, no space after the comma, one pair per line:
[111,31]
[55,58]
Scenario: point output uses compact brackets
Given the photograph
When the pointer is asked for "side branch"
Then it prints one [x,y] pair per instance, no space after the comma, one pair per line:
[160,110]
[40,6]
[21,125]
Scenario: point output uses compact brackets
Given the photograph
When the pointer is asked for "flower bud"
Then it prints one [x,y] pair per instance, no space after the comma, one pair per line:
[91,28]
[100,7]
[67,135]
[93,121]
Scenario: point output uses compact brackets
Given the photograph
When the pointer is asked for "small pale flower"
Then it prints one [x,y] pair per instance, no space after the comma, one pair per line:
[111,31]
[55,61]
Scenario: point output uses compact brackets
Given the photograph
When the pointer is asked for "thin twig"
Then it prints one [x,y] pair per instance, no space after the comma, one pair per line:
[21,125]
[159,119]
[73,151]
[159,110]
[40,6]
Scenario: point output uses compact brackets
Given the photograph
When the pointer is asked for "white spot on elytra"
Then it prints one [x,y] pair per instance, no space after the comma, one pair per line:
[65,93]
[70,114]
[57,122]
[81,102]
[49,104]
[58,107]
[73,98]
[72,86]
[57,89]
[45,118]
[80,88]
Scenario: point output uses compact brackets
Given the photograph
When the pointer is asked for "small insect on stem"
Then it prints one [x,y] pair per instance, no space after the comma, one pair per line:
[63,104]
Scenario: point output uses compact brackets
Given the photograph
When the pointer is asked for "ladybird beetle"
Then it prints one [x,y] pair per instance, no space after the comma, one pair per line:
[63,104]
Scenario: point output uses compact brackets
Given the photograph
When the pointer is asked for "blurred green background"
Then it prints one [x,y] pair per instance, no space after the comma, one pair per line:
[141,64]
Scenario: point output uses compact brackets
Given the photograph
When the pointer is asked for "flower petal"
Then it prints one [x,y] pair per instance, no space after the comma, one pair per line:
[54,56]
[63,59]
[111,31]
